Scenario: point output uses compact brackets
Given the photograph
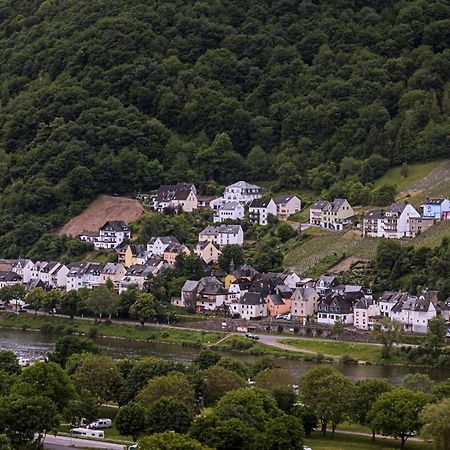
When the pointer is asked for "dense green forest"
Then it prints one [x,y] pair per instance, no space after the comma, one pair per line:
[100,96]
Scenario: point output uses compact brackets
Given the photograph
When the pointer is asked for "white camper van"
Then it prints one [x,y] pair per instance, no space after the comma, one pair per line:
[86,432]
[100,424]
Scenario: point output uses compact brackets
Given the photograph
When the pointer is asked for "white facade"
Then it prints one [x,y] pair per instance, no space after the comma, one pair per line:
[242,192]
[229,211]
[223,235]
[364,313]
[157,245]
[260,209]
[396,221]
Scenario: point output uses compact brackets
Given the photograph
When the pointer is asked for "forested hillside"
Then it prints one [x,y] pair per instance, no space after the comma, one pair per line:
[119,96]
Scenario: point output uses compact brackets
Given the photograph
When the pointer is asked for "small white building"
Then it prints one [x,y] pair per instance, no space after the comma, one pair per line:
[260,209]
[287,205]
[110,235]
[223,235]
[157,245]
[229,211]
[365,313]
[396,220]
[242,192]
[251,305]
[334,308]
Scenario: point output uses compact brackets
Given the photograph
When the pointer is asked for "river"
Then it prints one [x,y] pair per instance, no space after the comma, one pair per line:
[34,345]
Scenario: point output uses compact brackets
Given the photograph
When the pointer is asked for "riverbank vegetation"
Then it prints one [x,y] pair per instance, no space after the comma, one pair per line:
[215,402]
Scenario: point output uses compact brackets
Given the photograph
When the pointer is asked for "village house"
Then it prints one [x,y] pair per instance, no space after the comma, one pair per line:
[229,211]
[418,225]
[172,251]
[291,278]
[52,273]
[389,299]
[207,251]
[207,294]
[176,196]
[260,209]
[334,308]
[366,311]
[238,288]
[9,279]
[242,192]
[251,305]
[111,235]
[157,245]
[335,215]
[394,223]
[138,274]
[204,201]
[277,305]
[113,272]
[223,235]
[131,254]
[325,283]
[287,205]
[443,309]
[437,208]
[304,304]
[244,271]
[416,313]
[20,266]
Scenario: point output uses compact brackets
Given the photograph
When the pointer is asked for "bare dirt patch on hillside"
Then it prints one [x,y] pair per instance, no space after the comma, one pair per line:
[100,210]
[346,265]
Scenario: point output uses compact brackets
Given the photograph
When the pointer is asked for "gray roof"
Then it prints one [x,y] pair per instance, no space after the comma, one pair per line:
[374,214]
[189,285]
[284,198]
[252,298]
[223,229]
[433,201]
[397,207]
[260,202]
[243,185]
[115,225]
[363,303]
[305,293]
[320,204]
[336,204]
[276,299]
[230,206]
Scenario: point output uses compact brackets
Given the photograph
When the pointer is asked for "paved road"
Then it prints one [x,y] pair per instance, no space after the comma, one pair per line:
[63,442]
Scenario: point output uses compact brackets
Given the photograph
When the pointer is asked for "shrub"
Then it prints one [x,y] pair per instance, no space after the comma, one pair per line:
[92,332]
[47,328]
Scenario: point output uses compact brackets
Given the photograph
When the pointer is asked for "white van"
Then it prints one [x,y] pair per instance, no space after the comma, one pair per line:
[100,424]
[86,432]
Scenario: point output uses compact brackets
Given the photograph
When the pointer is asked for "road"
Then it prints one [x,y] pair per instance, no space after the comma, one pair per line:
[62,442]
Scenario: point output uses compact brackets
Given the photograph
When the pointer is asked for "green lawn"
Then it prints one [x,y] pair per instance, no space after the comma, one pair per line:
[60,325]
[347,442]
[416,173]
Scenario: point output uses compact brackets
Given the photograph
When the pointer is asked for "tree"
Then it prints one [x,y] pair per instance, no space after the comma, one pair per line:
[144,308]
[387,332]
[130,420]
[5,443]
[285,397]
[100,376]
[207,358]
[365,394]
[174,385]
[328,393]
[396,413]
[338,328]
[418,382]
[383,195]
[281,433]
[36,299]
[102,300]
[8,362]
[404,170]
[436,423]
[264,362]
[273,378]
[170,441]
[285,232]
[235,366]
[168,414]
[437,330]
[252,406]
[46,379]
[307,416]
[218,381]
[231,253]
[70,302]
[83,406]
[22,417]
[68,345]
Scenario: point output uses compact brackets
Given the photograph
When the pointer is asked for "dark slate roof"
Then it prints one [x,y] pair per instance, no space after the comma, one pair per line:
[363,303]
[260,202]
[9,276]
[168,192]
[181,195]
[243,283]
[245,271]
[337,203]
[275,299]
[284,198]
[136,249]
[252,298]
[225,229]
[433,201]
[397,207]
[374,214]
[320,204]
[305,294]
[115,225]
[335,304]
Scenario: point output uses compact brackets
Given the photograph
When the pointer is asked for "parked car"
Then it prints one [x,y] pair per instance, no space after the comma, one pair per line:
[23,309]
[2,306]
[100,424]
[86,432]
[305,447]
[252,336]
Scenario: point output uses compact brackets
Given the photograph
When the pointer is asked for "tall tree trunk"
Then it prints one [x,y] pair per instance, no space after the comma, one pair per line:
[403,437]
[373,435]
[324,428]
[333,429]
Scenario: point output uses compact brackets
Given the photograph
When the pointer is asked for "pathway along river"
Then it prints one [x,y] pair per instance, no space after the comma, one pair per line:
[34,345]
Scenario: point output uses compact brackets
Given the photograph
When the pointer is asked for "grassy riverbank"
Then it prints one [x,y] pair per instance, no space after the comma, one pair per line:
[62,325]
[356,350]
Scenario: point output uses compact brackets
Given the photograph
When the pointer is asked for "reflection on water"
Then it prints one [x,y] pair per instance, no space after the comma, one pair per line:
[34,345]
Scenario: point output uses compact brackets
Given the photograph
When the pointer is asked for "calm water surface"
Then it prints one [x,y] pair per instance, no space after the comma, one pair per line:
[34,345]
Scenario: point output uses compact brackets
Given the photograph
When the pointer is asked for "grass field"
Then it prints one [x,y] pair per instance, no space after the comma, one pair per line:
[348,442]
[416,173]
[60,325]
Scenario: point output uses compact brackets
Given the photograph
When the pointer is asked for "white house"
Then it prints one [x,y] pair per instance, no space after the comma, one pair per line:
[52,273]
[291,279]
[229,211]
[9,279]
[110,235]
[373,223]
[260,209]
[416,313]
[287,205]
[388,300]
[396,220]
[435,207]
[238,288]
[251,305]
[157,245]
[223,235]
[180,195]
[242,192]
[334,308]
[365,313]
[138,274]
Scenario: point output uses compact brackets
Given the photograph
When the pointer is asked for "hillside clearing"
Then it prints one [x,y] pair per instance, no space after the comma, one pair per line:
[100,210]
